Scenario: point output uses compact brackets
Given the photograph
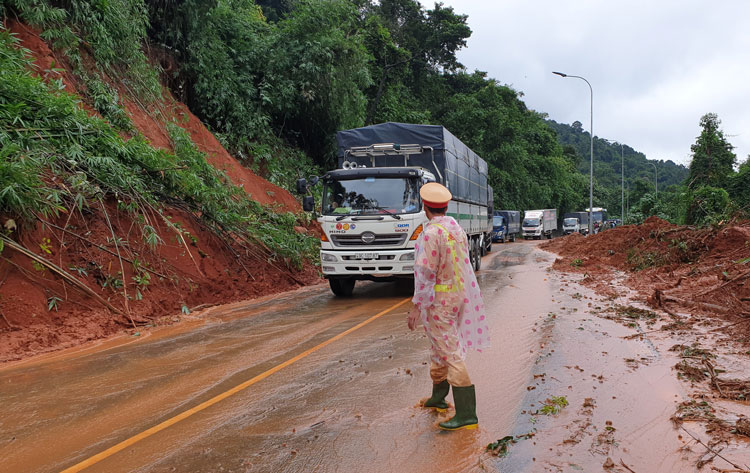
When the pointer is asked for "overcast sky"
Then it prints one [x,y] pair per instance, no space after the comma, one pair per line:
[655,66]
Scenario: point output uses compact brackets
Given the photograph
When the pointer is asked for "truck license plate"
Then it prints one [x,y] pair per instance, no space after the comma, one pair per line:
[365,256]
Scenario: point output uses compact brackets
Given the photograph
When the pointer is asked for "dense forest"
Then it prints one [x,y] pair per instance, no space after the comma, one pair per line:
[274,80]
[612,160]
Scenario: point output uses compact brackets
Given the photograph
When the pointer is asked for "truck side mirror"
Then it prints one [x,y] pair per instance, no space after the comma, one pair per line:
[308,203]
[301,186]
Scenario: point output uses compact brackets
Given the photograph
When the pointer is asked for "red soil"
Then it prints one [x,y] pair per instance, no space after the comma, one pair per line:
[39,312]
[152,123]
[677,269]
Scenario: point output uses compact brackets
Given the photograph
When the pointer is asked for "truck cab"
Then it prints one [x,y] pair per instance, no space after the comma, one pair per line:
[539,223]
[371,214]
[532,225]
[371,219]
[499,229]
[571,225]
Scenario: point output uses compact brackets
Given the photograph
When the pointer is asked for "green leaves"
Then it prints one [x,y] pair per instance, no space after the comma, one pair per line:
[53,303]
[500,447]
[54,157]
[713,160]
[553,405]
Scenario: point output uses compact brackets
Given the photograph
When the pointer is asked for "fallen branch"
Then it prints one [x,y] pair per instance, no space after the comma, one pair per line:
[635,335]
[203,306]
[710,449]
[122,266]
[714,379]
[660,303]
[178,232]
[59,271]
[704,305]
[100,247]
[626,466]
[721,329]
[11,326]
[729,281]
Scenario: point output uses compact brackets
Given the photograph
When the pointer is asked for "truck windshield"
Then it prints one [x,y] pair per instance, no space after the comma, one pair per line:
[371,196]
[570,222]
[531,222]
[497,221]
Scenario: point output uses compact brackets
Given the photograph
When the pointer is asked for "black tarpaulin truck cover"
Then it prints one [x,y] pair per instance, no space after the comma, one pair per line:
[456,166]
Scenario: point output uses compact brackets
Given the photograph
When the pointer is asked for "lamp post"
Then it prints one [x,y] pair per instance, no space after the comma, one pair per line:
[591,164]
[622,177]
[656,180]
[628,211]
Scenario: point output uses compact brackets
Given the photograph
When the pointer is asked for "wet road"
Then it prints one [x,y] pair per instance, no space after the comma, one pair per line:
[261,386]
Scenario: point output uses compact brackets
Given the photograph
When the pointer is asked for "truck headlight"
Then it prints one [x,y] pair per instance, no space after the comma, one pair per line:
[407,257]
[328,269]
[409,268]
[328,258]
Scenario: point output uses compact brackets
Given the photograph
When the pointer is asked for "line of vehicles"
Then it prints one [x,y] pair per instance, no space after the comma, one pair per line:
[579,221]
[371,212]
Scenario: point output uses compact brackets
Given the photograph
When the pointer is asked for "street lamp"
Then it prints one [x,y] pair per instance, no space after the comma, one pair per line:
[622,174]
[656,180]
[628,211]
[591,164]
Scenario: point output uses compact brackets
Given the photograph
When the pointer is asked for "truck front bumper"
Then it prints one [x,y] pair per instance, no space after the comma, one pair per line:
[370,265]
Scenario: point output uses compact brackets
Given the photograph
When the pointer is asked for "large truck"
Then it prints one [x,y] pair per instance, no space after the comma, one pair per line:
[575,222]
[371,211]
[539,223]
[598,216]
[506,224]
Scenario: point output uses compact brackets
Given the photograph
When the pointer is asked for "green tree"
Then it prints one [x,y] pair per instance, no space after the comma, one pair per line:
[409,45]
[316,74]
[713,160]
[738,186]
[709,205]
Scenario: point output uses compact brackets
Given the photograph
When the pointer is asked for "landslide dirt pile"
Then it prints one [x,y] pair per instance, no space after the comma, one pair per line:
[676,268]
[152,121]
[91,271]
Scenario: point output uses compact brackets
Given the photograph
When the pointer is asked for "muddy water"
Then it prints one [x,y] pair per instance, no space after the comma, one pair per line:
[349,406]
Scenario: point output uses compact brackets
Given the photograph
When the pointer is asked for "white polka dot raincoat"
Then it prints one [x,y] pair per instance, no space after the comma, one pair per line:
[447,293]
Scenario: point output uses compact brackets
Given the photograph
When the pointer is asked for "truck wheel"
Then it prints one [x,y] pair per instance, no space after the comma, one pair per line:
[342,287]
[549,236]
[513,237]
[477,256]
[489,245]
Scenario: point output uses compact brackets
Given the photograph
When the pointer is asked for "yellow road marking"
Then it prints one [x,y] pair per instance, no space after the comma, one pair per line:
[184,415]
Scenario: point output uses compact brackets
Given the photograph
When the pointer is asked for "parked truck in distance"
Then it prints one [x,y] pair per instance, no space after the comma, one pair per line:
[506,224]
[539,223]
[371,211]
[575,222]
[598,216]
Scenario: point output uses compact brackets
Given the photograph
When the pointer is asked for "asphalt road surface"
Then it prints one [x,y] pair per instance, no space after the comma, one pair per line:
[299,382]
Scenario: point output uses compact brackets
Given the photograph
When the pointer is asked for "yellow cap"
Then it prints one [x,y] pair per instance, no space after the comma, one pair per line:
[435,195]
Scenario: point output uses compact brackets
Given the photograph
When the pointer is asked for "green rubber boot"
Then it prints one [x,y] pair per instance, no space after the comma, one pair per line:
[439,392]
[466,409]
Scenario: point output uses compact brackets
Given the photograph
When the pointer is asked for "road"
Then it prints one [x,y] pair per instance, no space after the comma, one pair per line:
[298,382]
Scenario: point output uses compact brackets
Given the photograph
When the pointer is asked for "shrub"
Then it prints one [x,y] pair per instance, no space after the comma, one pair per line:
[54,156]
[709,206]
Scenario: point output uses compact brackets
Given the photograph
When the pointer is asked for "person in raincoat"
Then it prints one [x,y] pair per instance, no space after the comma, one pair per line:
[448,302]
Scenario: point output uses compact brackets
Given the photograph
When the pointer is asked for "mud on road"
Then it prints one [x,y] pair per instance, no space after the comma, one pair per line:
[680,293]
[561,378]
